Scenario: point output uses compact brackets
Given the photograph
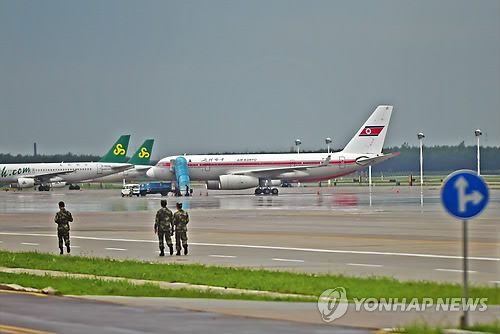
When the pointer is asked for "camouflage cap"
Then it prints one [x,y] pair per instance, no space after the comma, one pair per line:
[179,204]
[61,204]
[163,202]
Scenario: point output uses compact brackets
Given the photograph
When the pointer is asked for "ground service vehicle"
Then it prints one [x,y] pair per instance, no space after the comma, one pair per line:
[131,190]
[162,188]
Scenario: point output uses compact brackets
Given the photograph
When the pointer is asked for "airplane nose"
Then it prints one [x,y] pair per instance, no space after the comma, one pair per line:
[151,172]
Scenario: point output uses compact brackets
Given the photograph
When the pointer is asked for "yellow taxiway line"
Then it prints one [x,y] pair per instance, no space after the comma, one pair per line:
[20,330]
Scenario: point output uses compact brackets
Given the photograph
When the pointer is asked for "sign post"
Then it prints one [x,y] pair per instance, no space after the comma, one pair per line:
[464,195]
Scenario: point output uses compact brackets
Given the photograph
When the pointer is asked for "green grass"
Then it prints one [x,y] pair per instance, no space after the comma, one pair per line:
[99,287]
[243,278]
[430,180]
[424,328]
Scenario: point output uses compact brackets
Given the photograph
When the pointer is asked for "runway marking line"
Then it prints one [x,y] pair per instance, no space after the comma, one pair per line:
[269,235]
[30,243]
[352,238]
[456,270]
[116,249]
[287,260]
[223,256]
[365,265]
[315,250]
[20,330]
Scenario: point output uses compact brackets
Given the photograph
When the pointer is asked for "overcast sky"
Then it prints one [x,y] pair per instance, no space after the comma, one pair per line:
[213,76]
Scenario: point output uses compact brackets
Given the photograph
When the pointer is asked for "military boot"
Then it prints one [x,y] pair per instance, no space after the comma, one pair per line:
[178,252]
[68,249]
[61,250]
[185,250]
[162,253]
[171,249]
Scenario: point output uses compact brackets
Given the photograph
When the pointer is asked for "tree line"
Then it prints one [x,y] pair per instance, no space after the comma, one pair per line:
[437,159]
[68,157]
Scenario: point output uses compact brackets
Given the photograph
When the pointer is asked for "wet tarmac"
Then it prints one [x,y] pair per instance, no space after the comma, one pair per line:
[304,198]
[348,230]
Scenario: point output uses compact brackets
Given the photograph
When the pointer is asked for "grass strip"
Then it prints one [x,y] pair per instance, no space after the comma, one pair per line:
[99,287]
[244,278]
[424,328]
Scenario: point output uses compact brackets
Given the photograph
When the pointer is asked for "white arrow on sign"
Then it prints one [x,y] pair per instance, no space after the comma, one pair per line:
[461,184]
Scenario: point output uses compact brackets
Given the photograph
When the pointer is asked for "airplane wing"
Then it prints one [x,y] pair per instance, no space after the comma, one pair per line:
[365,161]
[45,177]
[276,172]
[142,168]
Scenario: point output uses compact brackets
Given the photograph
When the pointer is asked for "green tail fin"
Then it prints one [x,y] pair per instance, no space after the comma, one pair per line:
[117,153]
[143,154]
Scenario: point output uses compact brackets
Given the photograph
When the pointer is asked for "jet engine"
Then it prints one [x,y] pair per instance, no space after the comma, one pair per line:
[233,182]
[25,182]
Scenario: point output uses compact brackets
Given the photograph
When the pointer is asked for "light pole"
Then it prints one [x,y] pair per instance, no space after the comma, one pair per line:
[478,133]
[421,136]
[297,143]
[328,141]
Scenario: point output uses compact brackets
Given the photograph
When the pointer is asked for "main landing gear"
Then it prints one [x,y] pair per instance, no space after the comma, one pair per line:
[266,191]
[74,187]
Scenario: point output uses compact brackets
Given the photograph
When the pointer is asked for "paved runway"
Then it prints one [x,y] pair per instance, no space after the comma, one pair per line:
[323,230]
[29,313]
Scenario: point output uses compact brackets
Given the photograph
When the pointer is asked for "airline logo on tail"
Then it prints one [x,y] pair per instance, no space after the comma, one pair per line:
[371,131]
[119,150]
[144,153]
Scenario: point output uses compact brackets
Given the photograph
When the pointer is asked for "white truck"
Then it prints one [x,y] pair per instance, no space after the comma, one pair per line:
[130,190]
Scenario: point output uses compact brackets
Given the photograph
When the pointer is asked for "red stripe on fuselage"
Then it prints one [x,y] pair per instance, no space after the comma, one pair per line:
[255,164]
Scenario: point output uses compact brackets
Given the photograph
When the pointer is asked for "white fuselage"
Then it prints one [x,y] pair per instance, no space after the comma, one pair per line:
[211,167]
[243,171]
[73,172]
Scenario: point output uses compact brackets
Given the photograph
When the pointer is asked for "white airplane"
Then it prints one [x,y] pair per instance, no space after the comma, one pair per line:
[57,175]
[140,161]
[243,171]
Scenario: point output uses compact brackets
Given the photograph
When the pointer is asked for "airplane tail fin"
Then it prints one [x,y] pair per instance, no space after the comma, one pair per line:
[118,151]
[371,136]
[143,154]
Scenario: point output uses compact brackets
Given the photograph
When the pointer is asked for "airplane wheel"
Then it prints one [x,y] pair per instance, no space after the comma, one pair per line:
[77,187]
[71,187]
[275,191]
[258,191]
[267,191]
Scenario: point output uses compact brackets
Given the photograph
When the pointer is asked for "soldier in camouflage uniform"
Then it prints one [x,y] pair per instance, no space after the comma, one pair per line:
[181,219]
[164,227]
[62,219]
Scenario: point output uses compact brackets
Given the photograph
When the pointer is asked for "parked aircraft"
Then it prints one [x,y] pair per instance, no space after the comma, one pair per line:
[243,171]
[140,161]
[49,175]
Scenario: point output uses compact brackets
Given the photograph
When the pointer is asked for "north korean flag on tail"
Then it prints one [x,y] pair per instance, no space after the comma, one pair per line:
[371,131]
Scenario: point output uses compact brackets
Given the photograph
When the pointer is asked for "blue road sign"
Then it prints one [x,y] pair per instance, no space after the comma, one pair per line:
[464,194]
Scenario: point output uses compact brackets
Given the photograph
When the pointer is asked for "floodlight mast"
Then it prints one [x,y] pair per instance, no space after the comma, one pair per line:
[478,133]
[421,136]
[328,141]
[297,143]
